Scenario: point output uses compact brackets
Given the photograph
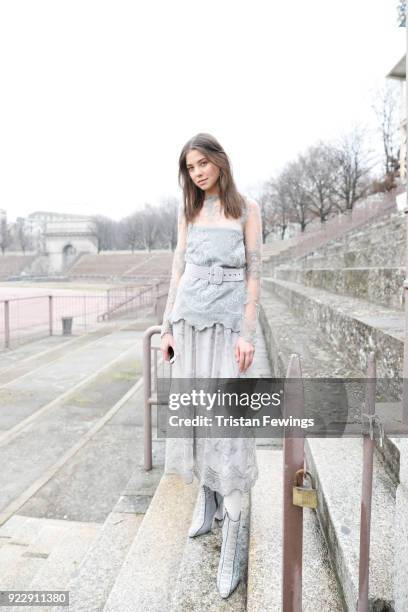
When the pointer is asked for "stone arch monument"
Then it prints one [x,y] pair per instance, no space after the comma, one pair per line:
[63,237]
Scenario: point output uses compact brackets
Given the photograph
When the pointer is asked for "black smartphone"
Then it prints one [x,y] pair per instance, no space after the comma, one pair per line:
[170,353]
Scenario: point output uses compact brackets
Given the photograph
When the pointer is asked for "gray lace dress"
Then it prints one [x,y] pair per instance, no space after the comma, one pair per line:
[206,320]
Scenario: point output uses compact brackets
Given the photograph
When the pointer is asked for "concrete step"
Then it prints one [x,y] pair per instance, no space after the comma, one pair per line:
[147,577]
[36,552]
[26,543]
[353,325]
[383,286]
[320,590]
[40,552]
[337,467]
[10,555]
[64,558]
[16,535]
[19,526]
[92,582]
[196,585]
[286,333]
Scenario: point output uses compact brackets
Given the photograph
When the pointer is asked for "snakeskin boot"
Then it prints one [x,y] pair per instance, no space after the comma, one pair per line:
[228,575]
[219,515]
[208,507]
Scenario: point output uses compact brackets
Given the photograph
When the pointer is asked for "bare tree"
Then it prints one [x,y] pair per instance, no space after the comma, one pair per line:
[106,231]
[352,162]
[279,215]
[22,237]
[167,221]
[150,227]
[319,175]
[264,197]
[132,231]
[292,189]
[385,108]
[5,234]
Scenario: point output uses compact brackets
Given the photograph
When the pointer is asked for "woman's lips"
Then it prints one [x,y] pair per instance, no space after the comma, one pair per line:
[201,182]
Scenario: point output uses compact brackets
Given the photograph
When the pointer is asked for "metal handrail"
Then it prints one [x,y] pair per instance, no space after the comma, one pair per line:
[150,399]
[128,300]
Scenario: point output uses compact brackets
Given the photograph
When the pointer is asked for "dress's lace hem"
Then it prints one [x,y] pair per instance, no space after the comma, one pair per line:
[229,481]
[181,459]
[225,485]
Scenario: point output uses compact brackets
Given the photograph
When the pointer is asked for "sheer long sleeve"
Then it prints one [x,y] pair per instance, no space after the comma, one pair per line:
[253,253]
[177,270]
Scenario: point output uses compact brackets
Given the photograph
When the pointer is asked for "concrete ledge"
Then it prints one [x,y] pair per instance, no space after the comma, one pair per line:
[285,333]
[337,467]
[383,286]
[320,590]
[354,326]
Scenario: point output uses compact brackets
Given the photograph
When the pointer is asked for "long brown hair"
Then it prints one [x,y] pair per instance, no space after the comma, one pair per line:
[232,201]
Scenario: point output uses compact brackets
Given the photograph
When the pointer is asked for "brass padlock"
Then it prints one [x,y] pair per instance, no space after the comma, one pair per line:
[305,497]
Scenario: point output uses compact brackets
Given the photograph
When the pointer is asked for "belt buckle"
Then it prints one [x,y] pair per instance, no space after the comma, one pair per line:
[216,274]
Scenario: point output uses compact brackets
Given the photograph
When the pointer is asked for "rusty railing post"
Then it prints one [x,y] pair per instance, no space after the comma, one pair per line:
[405,367]
[6,324]
[367,489]
[293,459]
[50,314]
[148,400]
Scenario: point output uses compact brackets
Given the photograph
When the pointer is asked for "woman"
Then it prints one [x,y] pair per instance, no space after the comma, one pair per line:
[210,323]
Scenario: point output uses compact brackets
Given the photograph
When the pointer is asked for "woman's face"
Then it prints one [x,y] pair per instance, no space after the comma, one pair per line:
[202,172]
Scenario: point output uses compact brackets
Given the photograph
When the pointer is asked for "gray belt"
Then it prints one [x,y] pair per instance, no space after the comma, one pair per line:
[215,274]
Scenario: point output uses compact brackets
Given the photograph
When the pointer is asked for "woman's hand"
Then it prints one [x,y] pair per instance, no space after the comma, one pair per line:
[166,341]
[244,354]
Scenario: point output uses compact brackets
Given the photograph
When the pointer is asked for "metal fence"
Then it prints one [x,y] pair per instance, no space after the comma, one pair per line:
[30,318]
[25,319]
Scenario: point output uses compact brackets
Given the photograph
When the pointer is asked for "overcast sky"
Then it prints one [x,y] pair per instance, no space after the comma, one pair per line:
[98,98]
